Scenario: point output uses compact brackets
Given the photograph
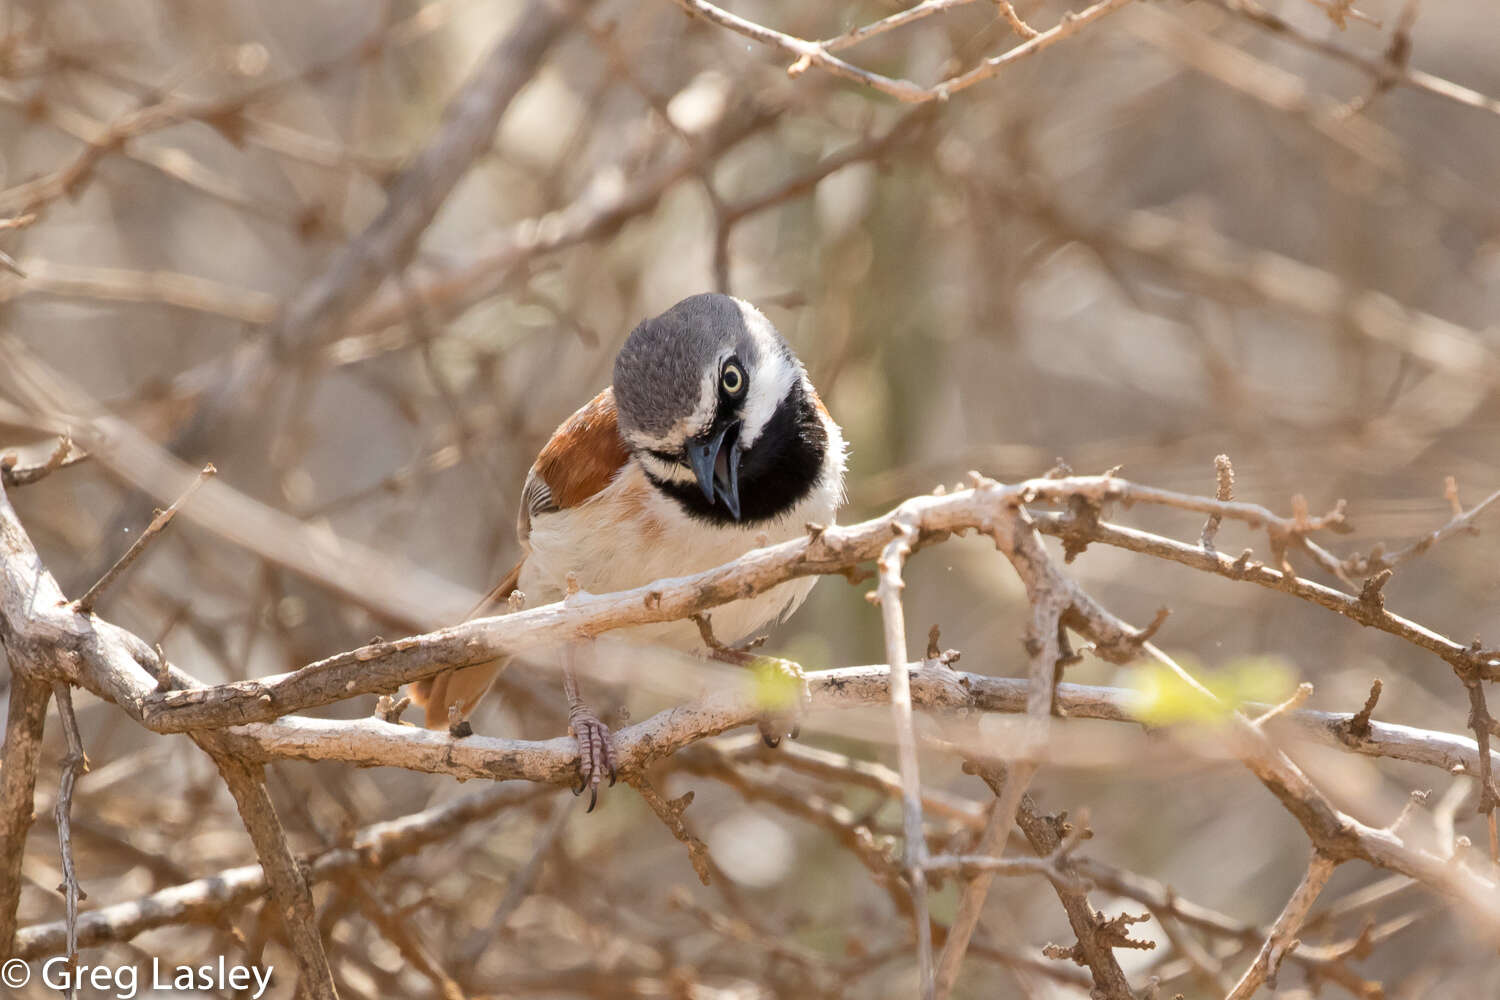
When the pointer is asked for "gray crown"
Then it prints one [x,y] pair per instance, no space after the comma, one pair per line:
[659,372]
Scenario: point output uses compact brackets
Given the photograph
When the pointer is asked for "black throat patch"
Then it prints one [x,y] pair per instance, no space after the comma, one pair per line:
[775,475]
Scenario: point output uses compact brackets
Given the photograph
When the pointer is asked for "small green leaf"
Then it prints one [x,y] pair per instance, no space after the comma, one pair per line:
[778,685]
[1167,699]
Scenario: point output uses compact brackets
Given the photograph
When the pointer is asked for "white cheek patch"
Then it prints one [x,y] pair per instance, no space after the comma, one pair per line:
[769,385]
[667,472]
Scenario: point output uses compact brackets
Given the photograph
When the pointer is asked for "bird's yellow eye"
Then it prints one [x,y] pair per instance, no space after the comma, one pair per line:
[732,379]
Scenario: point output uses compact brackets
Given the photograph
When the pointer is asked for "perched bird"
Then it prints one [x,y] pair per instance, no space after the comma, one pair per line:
[710,437]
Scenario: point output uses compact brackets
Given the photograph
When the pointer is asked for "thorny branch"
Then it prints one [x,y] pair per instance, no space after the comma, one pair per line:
[73,765]
[998,509]
[1282,938]
[357,309]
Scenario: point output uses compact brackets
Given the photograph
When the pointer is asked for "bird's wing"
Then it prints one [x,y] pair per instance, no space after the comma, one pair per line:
[582,458]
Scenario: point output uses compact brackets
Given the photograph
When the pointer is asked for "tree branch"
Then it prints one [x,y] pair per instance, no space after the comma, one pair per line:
[1282,938]
[24,721]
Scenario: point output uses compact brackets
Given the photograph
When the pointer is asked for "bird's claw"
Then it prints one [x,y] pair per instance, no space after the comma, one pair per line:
[596,753]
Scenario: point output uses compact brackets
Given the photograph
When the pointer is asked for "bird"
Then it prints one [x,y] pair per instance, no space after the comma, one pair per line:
[710,440]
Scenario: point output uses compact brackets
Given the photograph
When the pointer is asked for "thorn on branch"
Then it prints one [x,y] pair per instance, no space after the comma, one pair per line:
[1450,493]
[979,481]
[1079,527]
[389,709]
[1111,933]
[1418,797]
[1020,27]
[1124,645]
[1370,594]
[935,651]
[1304,691]
[1145,635]
[13,474]
[1301,521]
[1224,473]
[1358,726]
[161,670]
[705,624]
[1370,564]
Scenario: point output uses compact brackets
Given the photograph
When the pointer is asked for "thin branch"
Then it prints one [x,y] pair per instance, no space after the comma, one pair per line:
[158,524]
[1462,522]
[1070,25]
[289,886]
[380,667]
[14,474]
[386,246]
[897,20]
[1334,833]
[1283,936]
[1252,571]
[24,721]
[1328,963]
[893,620]
[1377,69]
[117,664]
[203,900]
[976,890]
[1224,474]
[395,930]
[189,292]
[372,743]
[1095,946]
[74,764]
[670,813]
[807,53]
[820,54]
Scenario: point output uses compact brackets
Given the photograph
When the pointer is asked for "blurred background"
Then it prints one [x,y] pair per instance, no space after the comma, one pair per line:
[1177,233]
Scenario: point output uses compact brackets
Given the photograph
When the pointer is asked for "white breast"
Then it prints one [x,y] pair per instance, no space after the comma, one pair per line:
[630,534]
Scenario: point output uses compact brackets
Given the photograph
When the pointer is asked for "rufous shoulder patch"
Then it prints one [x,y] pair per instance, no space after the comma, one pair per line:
[584,454]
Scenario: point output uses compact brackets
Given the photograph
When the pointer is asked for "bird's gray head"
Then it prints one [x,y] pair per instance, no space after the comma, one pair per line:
[699,388]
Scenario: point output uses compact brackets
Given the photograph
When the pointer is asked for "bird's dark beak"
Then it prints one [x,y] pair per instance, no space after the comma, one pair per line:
[715,457]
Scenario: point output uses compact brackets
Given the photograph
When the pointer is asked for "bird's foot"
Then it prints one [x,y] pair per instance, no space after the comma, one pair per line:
[781,687]
[596,752]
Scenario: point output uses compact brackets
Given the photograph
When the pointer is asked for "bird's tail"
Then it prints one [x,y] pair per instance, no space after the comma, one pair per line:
[463,687]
